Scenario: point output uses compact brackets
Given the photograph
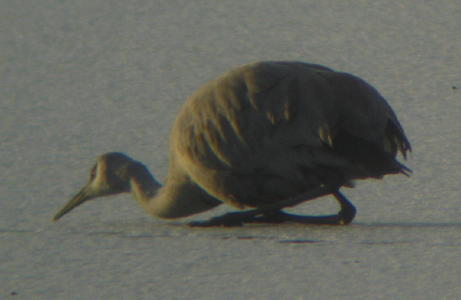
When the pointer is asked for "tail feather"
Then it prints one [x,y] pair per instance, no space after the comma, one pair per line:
[397,139]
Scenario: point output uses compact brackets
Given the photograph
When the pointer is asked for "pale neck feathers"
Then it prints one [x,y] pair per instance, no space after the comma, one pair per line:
[178,198]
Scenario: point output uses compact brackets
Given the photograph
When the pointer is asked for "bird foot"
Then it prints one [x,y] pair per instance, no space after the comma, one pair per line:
[346,215]
[234,219]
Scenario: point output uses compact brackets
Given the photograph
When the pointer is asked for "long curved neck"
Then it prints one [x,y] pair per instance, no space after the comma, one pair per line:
[178,198]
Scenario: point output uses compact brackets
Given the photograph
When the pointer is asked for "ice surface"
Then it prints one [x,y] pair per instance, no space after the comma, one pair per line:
[80,78]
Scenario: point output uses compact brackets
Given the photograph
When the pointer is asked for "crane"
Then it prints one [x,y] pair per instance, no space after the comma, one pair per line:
[263,137]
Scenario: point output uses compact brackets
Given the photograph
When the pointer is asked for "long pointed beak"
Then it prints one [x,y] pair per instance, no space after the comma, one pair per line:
[78,199]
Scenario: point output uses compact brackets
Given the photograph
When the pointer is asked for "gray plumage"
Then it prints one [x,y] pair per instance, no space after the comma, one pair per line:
[264,133]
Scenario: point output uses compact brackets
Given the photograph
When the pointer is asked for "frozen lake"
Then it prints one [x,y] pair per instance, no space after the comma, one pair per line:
[80,78]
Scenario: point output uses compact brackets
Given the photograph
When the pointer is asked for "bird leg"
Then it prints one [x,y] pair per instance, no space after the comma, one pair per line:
[347,212]
[344,216]
[273,214]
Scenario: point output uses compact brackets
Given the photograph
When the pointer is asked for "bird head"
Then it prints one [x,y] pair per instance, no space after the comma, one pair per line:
[109,176]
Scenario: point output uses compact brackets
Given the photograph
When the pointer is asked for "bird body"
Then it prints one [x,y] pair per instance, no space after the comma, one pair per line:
[266,132]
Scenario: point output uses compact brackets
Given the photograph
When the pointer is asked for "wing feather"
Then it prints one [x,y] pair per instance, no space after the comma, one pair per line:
[267,131]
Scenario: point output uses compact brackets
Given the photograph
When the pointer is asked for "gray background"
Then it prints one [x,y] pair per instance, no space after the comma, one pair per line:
[80,78]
